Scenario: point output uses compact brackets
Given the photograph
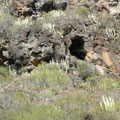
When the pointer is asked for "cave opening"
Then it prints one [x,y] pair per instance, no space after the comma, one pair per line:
[77,47]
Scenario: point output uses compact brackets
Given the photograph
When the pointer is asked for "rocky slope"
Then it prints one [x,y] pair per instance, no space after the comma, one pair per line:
[62,59]
[87,30]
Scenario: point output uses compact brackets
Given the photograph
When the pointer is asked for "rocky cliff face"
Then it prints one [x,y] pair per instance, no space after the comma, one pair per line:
[87,30]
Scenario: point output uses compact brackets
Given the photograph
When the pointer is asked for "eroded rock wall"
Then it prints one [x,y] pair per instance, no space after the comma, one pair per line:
[92,37]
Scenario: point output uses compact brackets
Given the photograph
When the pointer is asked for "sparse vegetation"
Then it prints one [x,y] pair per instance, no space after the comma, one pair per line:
[108,84]
[4,4]
[82,10]
[52,16]
[4,71]
[94,19]
[23,22]
[6,20]
[73,105]
[43,77]
[107,104]
[49,26]
[4,74]
[61,89]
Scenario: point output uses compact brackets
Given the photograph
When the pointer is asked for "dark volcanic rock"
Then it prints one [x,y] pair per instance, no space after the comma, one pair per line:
[32,46]
[91,45]
[49,5]
[4,54]
[32,7]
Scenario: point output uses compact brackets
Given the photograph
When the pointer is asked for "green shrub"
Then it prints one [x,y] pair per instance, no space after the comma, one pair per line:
[22,71]
[109,83]
[4,74]
[19,24]
[100,115]
[117,105]
[5,17]
[52,16]
[92,82]
[45,76]
[82,10]
[84,70]
[21,98]
[73,106]
[5,77]
[4,71]
[48,17]
[6,21]
[98,83]
[4,4]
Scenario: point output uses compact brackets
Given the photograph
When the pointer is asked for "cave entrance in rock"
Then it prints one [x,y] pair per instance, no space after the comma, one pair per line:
[77,47]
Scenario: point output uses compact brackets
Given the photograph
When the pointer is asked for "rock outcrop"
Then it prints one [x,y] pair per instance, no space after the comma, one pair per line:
[33,7]
[92,38]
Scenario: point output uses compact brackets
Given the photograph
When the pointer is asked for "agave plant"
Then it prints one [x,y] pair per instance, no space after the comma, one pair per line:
[63,65]
[26,22]
[94,19]
[111,33]
[107,104]
[4,4]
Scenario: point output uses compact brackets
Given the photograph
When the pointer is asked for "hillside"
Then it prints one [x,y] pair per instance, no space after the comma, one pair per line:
[59,60]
